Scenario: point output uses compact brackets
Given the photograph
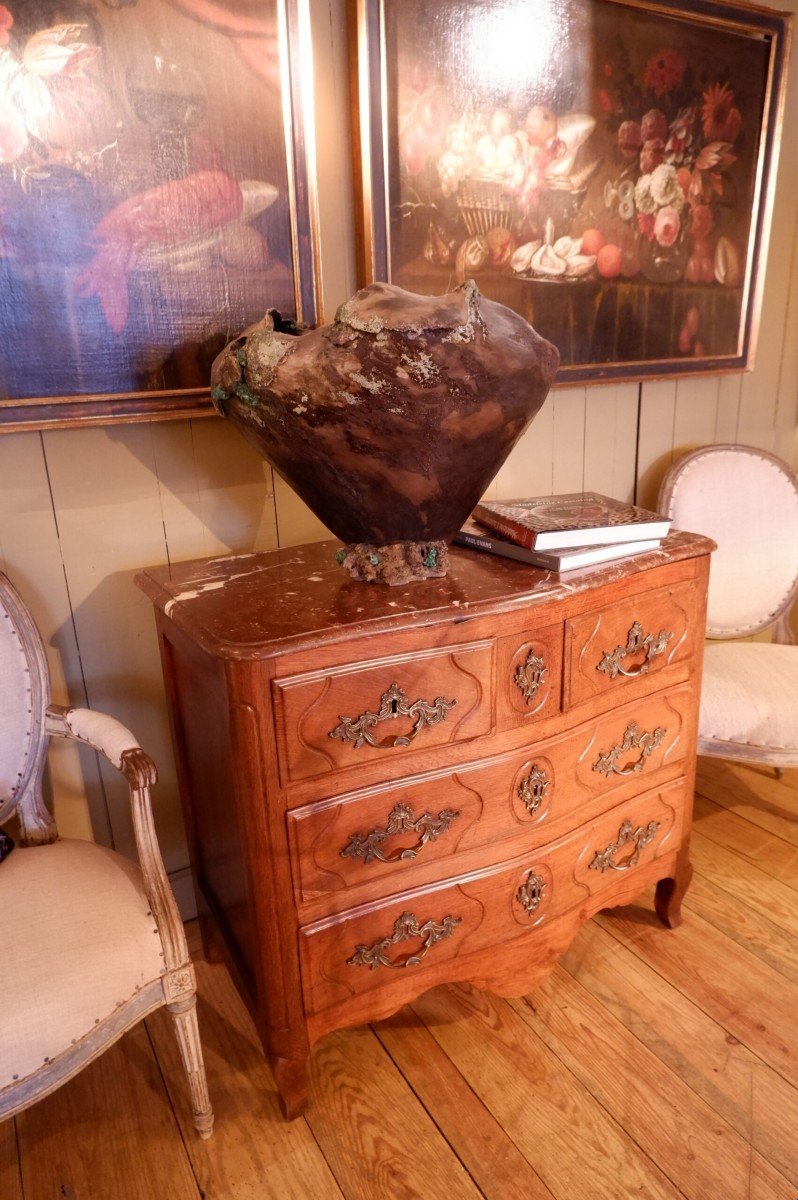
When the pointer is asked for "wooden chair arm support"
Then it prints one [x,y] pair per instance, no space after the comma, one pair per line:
[118,745]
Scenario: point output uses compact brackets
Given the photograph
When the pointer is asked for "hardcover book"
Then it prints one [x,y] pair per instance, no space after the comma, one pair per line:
[576,519]
[477,538]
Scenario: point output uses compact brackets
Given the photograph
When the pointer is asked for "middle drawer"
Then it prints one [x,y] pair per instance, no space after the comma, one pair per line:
[382,837]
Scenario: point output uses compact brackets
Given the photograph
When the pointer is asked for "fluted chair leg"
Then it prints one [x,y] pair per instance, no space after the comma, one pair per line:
[184,1015]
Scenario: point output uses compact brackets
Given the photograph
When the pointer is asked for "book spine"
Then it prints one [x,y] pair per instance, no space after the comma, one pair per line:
[520,534]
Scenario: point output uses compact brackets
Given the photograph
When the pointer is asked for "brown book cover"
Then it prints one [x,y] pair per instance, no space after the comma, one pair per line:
[575,519]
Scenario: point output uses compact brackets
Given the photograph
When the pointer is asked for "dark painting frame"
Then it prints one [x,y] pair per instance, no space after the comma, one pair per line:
[299,246]
[382,179]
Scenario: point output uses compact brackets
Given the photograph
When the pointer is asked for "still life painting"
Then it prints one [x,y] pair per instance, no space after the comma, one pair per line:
[148,162]
[603,168]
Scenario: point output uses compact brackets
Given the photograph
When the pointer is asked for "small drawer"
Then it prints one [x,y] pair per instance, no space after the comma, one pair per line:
[606,650]
[415,940]
[355,715]
[385,835]
[529,676]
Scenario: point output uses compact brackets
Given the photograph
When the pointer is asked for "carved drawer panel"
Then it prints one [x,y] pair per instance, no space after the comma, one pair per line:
[419,938]
[606,650]
[356,715]
[529,676]
[385,837]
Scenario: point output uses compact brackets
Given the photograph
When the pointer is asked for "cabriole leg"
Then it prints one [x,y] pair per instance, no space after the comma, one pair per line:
[670,893]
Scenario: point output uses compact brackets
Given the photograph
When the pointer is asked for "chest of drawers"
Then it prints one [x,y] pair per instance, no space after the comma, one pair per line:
[389,789]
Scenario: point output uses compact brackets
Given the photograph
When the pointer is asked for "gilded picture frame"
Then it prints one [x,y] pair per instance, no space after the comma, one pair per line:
[604,167]
[157,194]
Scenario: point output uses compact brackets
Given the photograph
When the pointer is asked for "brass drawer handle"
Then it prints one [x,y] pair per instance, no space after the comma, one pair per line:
[400,820]
[627,834]
[393,704]
[633,739]
[405,927]
[651,645]
[531,893]
[530,676]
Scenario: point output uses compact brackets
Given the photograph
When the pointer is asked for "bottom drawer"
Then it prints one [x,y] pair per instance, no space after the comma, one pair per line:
[415,940]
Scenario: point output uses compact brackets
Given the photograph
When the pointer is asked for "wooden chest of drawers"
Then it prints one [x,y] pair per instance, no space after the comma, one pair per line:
[388,789]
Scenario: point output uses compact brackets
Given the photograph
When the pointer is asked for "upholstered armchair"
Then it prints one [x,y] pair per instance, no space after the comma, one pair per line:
[747,500]
[91,942]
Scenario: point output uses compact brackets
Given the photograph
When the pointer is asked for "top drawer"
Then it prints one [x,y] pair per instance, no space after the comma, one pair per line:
[354,715]
[607,649]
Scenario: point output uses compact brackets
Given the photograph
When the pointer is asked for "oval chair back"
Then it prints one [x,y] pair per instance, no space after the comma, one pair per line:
[24,696]
[747,501]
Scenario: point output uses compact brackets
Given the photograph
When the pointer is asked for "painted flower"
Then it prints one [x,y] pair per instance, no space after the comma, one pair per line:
[682,132]
[55,51]
[645,223]
[652,154]
[664,187]
[654,125]
[6,21]
[720,119]
[629,139]
[664,72]
[13,134]
[666,226]
[644,201]
[605,101]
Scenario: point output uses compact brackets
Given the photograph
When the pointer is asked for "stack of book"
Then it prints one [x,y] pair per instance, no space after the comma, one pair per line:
[560,533]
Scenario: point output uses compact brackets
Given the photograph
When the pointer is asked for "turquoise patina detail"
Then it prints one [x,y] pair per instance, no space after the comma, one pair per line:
[243,393]
[374,559]
[431,557]
[340,556]
[219,394]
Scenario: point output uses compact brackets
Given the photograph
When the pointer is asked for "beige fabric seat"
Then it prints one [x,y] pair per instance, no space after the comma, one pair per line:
[90,943]
[747,501]
[740,681]
[76,913]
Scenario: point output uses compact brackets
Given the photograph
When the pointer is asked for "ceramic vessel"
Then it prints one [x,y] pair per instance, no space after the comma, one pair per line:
[391,422]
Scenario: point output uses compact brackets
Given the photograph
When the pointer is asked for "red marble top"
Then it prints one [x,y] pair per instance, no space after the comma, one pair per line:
[249,605]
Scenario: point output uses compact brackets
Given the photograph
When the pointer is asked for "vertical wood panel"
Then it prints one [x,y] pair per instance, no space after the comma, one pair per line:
[655,438]
[568,449]
[611,415]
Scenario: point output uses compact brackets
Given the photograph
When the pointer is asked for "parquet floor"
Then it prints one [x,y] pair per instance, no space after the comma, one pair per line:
[652,1064]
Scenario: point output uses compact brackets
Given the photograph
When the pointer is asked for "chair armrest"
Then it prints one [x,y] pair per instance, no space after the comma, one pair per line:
[116,743]
[106,735]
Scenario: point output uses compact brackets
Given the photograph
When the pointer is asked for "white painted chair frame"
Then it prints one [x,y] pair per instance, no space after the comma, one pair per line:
[778,620]
[176,987]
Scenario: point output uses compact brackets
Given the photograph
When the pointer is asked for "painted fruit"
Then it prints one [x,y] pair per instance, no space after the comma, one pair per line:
[472,257]
[501,123]
[728,264]
[609,260]
[592,241]
[691,320]
[501,246]
[685,342]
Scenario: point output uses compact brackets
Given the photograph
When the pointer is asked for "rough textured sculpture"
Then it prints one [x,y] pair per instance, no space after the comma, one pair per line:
[390,422]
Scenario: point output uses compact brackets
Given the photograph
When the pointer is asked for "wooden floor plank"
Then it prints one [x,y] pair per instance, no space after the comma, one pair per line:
[374,1133]
[751,1000]
[771,854]
[575,1147]
[753,1098]
[731,872]
[108,1133]
[744,924]
[490,1157]
[753,793]
[651,1103]
[254,1154]
[10,1178]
